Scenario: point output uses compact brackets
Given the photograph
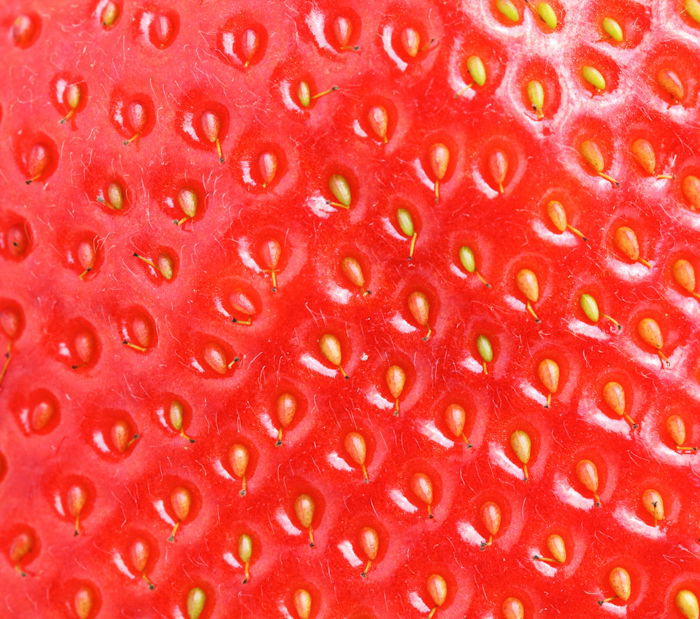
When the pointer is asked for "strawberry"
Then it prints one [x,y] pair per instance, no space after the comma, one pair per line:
[363,310]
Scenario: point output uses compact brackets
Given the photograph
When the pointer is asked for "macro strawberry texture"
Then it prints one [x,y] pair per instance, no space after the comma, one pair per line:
[317,309]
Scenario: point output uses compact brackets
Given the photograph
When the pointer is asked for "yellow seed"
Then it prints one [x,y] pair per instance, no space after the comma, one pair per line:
[340,189]
[110,14]
[455,418]
[587,474]
[330,347]
[692,9]
[410,40]
[196,600]
[626,241]
[422,487]
[690,186]
[356,447]
[684,274]
[513,609]
[166,266]
[653,502]
[239,457]
[593,77]
[476,69]
[419,307]
[535,94]
[83,602]
[378,119]
[304,94]
[650,332]
[527,283]
[675,426]
[590,151]
[115,196]
[522,445]
[508,10]
[369,541]
[437,589]
[547,14]
[352,269]
[621,583]
[466,258]
[483,345]
[187,200]
[302,603]
[686,600]
[395,380]
[439,158]
[245,548]
[405,221]
[304,507]
[670,81]
[644,153]
[590,307]
[491,517]
[614,396]
[548,373]
[557,215]
[557,547]
[613,29]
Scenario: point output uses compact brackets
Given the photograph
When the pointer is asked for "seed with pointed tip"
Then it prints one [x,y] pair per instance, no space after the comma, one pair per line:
[557,547]
[686,601]
[181,502]
[527,283]
[395,380]
[356,448]
[477,70]
[110,14]
[546,14]
[626,241]
[483,346]
[410,41]
[76,497]
[340,189]
[593,77]
[644,154]
[455,419]
[437,589]
[419,307]
[590,307]
[239,458]
[369,542]
[513,608]
[286,408]
[521,444]
[439,159]
[612,28]
[675,426]
[304,507]
[621,583]
[422,488]
[593,156]
[692,9]
[690,186]
[378,119]
[654,504]
[352,269]
[535,95]
[498,167]
[196,601]
[491,517]
[304,94]
[614,396]
[669,80]
[405,221]
[650,332]
[330,348]
[684,274]
[302,603]
[245,547]
[83,602]
[587,474]
[508,10]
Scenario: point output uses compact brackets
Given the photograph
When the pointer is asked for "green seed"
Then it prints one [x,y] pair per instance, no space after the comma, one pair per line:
[476,69]
[613,29]
[177,413]
[692,8]
[590,307]
[245,547]
[483,345]
[466,257]
[403,217]
[304,94]
[508,10]
[547,14]
[593,77]
[340,189]
[196,600]
[535,94]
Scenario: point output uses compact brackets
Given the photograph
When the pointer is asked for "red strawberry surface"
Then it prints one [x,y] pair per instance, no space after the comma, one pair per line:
[349,310]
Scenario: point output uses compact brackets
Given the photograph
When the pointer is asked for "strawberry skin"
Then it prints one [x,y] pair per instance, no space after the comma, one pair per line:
[365,310]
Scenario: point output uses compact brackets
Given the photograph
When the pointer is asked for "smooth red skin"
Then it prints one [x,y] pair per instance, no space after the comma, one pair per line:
[130,385]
